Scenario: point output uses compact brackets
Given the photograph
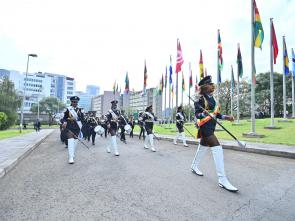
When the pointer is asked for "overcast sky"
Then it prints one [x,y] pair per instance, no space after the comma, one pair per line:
[97,42]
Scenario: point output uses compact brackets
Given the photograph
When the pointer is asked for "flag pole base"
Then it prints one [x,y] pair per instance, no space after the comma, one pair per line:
[272,127]
[253,135]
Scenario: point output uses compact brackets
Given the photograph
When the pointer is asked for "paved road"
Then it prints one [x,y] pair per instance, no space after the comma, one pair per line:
[141,185]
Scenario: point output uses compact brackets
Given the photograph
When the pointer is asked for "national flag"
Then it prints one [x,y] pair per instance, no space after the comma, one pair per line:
[286,59]
[117,88]
[170,71]
[232,80]
[190,76]
[219,48]
[166,78]
[162,83]
[258,30]
[172,91]
[114,88]
[183,83]
[201,66]
[179,58]
[274,44]
[144,77]
[127,83]
[239,62]
[293,62]
[205,73]
[196,86]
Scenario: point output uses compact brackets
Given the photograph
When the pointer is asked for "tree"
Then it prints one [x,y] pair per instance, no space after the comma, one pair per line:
[10,101]
[49,105]
[263,93]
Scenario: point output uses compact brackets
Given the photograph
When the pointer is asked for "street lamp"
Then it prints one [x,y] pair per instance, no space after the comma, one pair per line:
[24,95]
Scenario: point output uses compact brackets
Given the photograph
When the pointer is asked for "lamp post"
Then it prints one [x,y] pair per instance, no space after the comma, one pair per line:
[24,92]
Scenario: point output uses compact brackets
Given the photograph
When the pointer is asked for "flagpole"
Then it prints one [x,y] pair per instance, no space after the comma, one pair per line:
[176,89]
[182,89]
[271,77]
[189,92]
[238,93]
[218,71]
[231,93]
[293,84]
[252,72]
[165,94]
[284,80]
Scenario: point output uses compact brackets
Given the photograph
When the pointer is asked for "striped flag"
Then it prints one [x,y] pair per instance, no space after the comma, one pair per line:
[179,59]
[293,62]
[258,29]
[190,76]
[274,44]
[183,83]
[220,58]
[239,62]
[114,87]
[232,80]
[144,77]
[127,83]
[165,78]
[170,71]
[286,59]
[196,85]
[201,66]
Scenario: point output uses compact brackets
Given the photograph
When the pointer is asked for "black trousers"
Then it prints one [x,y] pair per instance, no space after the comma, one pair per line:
[142,132]
[122,134]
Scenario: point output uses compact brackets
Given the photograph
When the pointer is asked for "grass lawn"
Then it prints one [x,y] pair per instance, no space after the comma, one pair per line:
[12,133]
[277,136]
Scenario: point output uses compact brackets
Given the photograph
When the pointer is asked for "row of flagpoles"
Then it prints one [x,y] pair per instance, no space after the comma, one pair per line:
[257,37]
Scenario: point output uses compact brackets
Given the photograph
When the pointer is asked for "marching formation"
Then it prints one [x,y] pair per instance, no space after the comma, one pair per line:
[77,125]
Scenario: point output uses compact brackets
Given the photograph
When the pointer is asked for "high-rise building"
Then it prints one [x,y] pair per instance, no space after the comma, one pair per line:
[92,90]
[85,100]
[102,103]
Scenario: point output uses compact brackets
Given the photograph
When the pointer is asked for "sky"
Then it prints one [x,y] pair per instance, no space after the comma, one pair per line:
[97,42]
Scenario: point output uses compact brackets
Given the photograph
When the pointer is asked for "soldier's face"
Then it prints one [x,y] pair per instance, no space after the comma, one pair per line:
[74,103]
[114,106]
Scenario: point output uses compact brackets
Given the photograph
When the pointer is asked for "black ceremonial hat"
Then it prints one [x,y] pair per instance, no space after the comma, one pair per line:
[148,107]
[74,98]
[114,102]
[206,80]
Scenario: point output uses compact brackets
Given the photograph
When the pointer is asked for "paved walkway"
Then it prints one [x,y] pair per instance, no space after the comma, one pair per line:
[14,149]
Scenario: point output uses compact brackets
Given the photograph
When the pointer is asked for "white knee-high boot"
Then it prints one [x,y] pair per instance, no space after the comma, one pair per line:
[115,146]
[201,152]
[183,139]
[176,138]
[146,141]
[217,153]
[71,150]
[151,136]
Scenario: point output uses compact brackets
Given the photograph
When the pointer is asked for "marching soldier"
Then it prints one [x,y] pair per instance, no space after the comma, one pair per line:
[73,118]
[131,123]
[180,119]
[112,124]
[122,123]
[206,132]
[140,124]
[92,124]
[148,122]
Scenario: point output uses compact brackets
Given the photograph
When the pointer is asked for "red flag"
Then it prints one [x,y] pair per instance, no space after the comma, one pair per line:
[144,77]
[201,66]
[274,44]
[179,59]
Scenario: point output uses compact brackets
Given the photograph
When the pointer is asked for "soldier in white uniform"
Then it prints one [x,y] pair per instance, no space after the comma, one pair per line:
[180,119]
[112,125]
[73,118]
[148,122]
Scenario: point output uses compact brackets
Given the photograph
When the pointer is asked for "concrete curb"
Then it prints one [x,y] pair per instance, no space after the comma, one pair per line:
[258,148]
[9,164]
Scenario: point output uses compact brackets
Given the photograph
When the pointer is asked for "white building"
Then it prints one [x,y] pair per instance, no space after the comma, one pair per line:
[102,103]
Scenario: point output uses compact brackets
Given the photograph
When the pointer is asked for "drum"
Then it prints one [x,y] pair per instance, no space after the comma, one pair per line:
[128,128]
[99,130]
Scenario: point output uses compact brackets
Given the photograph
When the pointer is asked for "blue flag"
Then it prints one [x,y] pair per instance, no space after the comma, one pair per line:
[170,72]
[293,62]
